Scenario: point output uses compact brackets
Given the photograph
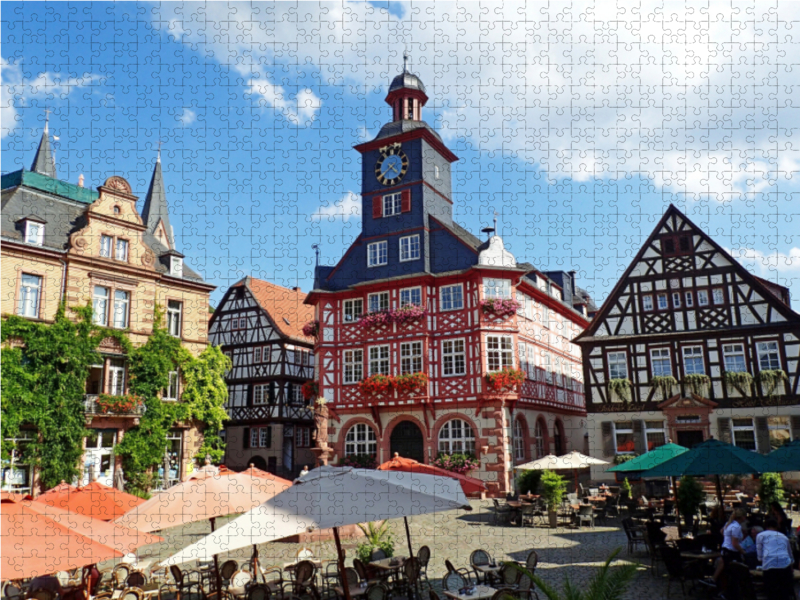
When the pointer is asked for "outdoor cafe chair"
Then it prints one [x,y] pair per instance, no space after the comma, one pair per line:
[600,513]
[432,595]
[258,592]
[453,581]
[42,595]
[505,594]
[464,572]
[481,558]
[502,512]
[677,569]
[166,591]
[136,579]
[12,591]
[509,575]
[303,580]
[377,592]
[633,533]
[131,593]
[121,572]
[526,590]
[586,514]
[363,574]
[424,557]
[409,583]
[532,561]
[237,588]
[527,514]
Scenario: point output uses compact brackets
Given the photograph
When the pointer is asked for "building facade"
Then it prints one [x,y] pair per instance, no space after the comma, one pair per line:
[690,345]
[259,326]
[412,300]
[62,241]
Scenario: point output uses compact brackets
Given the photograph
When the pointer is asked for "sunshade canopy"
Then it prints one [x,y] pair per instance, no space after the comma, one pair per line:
[331,497]
[201,498]
[470,485]
[34,544]
[94,500]
[551,462]
[650,459]
[786,458]
[712,457]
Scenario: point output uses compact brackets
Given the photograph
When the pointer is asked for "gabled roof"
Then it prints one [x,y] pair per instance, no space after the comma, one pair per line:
[748,277]
[155,205]
[284,306]
[44,162]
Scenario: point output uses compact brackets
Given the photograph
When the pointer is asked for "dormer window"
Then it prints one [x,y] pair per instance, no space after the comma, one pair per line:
[176,266]
[34,233]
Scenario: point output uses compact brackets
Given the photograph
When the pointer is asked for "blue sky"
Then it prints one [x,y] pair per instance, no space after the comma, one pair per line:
[578,125]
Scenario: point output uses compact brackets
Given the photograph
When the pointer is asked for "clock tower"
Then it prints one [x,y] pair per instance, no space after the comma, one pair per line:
[405,179]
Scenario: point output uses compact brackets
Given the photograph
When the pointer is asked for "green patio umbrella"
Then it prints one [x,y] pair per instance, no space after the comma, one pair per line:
[785,458]
[712,457]
[650,459]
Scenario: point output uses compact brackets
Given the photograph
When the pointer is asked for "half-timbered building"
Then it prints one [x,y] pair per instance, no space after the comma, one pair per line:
[259,326]
[420,302]
[691,345]
[63,242]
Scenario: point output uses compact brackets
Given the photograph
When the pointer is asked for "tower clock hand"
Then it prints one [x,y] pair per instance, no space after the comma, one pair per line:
[393,168]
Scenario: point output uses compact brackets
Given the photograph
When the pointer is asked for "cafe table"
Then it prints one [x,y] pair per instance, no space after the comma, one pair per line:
[701,555]
[489,570]
[388,567]
[481,593]
[760,573]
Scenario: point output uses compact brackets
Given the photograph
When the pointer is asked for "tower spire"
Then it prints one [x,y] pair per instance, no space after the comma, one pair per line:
[44,161]
[154,213]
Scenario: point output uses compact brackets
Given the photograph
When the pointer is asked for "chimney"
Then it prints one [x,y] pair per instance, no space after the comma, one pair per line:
[80,180]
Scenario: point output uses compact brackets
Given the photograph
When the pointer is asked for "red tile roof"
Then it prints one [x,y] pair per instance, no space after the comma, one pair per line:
[284,306]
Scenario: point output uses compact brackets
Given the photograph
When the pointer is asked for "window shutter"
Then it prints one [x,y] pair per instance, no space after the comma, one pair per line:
[762,435]
[405,201]
[795,425]
[607,429]
[269,437]
[246,440]
[724,427]
[377,207]
[639,437]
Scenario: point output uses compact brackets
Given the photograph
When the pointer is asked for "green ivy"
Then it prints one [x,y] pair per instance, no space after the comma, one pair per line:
[44,377]
[664,384]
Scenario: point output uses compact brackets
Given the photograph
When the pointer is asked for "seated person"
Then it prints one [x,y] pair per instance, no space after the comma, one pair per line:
[775,553]
[49,583]
[749,547]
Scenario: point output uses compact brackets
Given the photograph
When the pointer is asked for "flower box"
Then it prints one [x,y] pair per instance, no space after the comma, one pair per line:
[456,463]
[508,379]
[375,384]
[404,384]
[311,329]
[499,307]
[406,314]
[118,405]
[410,383]
[310,390]
[359,461]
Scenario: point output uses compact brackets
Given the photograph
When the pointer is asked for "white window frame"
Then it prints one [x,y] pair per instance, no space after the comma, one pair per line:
[392,204]
[654,430]
[718,295]
[659,356]
[662,301]
[690,356]
[742,428]
[410,358]
[456,436]
[407,296]
[260,394]
[106,246]
[360,439]
[257,355]
[410,248]
[499,352]
[769,357]
[121,307]
[622,431]
[380,304]
[647,302]
[531,361]
[353,371]
[380,360]
[734,351]
[448,298]
[121,247]
[116,377]
[539,439]
[174,317]
[30,295]
[378,254]
[176,266]
[454,357]
[702,298]
[34,233]
[100,305]
[353,309]
[172,391]
[689,299]
[495,287]
[302,437]
[519,441]
[676,299]
[617,364]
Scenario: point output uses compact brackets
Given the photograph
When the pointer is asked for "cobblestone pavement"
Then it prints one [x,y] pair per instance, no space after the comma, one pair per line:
[563,552]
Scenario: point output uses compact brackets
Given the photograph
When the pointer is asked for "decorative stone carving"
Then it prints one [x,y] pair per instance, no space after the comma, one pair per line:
[115,182]
[148,258]
[81,243]
[321,449]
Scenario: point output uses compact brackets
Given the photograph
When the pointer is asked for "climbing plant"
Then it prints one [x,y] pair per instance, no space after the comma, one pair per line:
[664,384]
[769,380]
[698,382]
[620,387]
[741,381]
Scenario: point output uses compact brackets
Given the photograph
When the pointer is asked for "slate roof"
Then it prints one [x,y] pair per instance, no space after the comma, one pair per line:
[406,80]
[284,306]
[44,162]
[155,204]
[404,126]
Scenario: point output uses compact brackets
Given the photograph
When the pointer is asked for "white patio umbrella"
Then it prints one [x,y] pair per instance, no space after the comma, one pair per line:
[331,497]
[571,461]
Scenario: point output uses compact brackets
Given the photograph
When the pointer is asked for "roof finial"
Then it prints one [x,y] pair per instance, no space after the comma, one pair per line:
[405,60]
[495,222]
[316,250]
[158,158]
[47,120]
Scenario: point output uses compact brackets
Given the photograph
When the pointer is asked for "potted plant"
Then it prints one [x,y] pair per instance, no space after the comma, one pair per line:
[379,537]
[698,382]
[310,389]
[499,307]
[690,496]
[770,490]
[410,383]
[552,486]
[769,380]
[620,387]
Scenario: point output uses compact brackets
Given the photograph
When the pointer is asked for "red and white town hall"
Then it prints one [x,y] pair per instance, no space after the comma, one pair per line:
[430,340]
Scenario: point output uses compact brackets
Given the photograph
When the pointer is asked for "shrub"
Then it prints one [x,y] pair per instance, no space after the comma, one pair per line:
[311,329]
[528,481]
[771,489]
[553,488]
[690,496]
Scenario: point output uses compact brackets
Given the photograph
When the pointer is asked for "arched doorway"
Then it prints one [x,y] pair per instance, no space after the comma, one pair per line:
[258,462]
[407,441]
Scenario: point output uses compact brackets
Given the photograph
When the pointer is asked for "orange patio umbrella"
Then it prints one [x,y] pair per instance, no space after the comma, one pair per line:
[470,485]
[34,544]
[94,500]
[251,470]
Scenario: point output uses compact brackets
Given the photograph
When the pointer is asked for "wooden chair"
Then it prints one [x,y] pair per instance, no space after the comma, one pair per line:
[167,591]
[258,592]
[509,576]
[303,582]
[121,572]
[452,582]
[226,571]
[481,558]
[131,593]
[424,557]
[409,583]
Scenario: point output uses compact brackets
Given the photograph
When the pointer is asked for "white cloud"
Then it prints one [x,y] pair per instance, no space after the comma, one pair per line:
[772,266]
[693,96]
[15,90]
[188,117]
[347,206]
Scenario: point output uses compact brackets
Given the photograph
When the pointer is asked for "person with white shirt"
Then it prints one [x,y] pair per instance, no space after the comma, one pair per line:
[731,545]
[775,554]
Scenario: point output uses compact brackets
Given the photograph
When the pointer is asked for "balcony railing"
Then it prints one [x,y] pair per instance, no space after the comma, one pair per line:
[91,407]
[265,412]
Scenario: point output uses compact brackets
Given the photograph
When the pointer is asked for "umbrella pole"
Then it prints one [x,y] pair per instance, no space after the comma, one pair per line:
[408,537]
[255,564]
[340,556]
[719,495]
[576,483]
[217,576]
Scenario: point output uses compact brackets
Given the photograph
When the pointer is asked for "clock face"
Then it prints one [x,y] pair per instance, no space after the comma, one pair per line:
[391,166]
